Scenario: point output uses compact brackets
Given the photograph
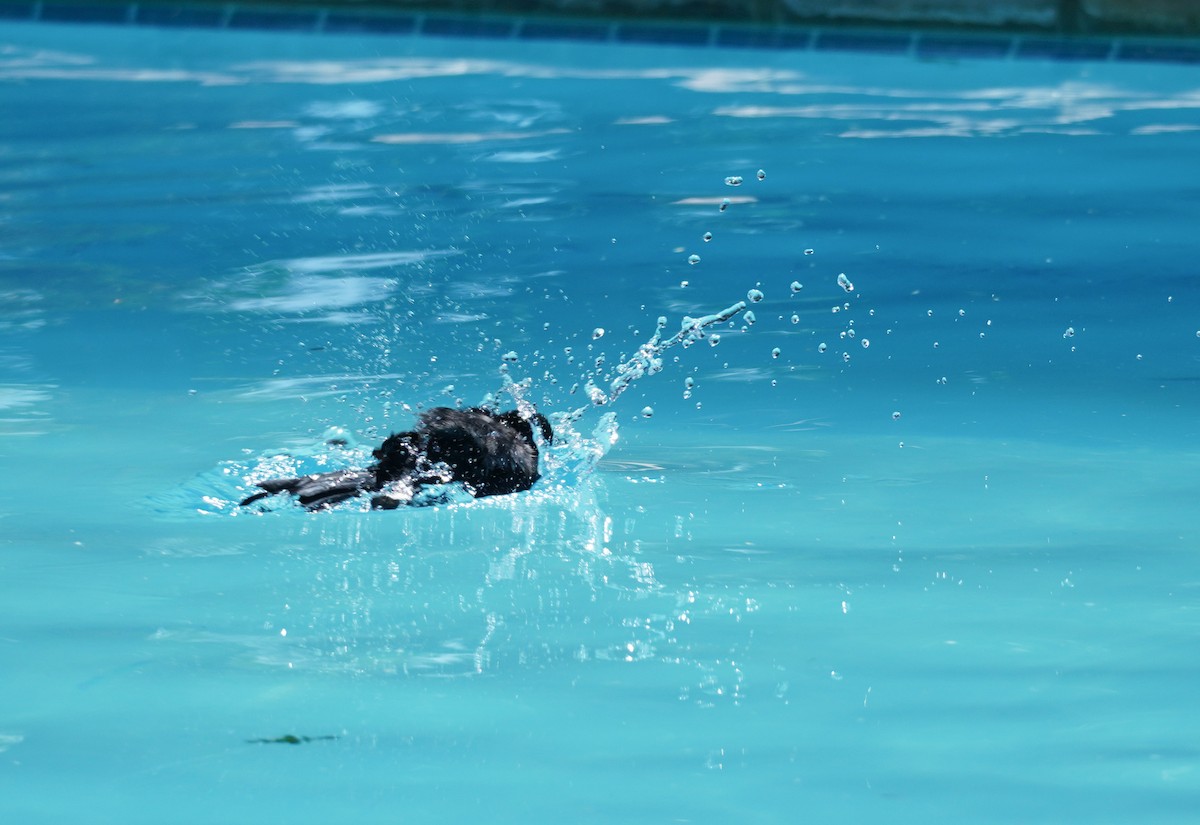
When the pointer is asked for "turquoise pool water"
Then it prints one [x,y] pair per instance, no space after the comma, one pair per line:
[773,600]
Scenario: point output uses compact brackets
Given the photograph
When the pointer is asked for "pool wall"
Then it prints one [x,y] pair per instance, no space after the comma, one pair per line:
[1157,30]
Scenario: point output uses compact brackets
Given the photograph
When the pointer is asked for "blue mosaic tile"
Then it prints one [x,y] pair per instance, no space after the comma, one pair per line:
[78,13]
[1160,52]
[181,16]
[944,46]
[16,11]
[663,35]
[850,41]
[547,30]
[746,38]
[370,23]
[1062,49]
[466,27]
[277,20]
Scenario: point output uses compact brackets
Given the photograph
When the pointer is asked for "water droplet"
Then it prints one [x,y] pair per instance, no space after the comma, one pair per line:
[683,284]
[846,357]
[693,259]
[775,352]
[809,251]
[733,180]
[866,343]
[713,340]
[796,286]
[822,348]
[929,313]
[510,356]
[844,283]
[755,295]
[896,416]
[1070,332]
[598,332]
[707,237]
[724,204]
[647,412]
[962,313]
[761,174]
[750,317]
[1139,356]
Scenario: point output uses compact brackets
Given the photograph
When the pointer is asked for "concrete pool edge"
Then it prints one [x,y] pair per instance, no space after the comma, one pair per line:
[937,39]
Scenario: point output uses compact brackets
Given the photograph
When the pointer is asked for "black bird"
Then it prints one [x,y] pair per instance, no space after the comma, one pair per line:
[490,453]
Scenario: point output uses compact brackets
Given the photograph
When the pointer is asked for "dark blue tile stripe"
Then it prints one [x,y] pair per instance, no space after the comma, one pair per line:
[370,23]
[333,19]
[1064,49]
[853,41]
[747,38]
[282,20]
[16,11]
[665,35]
[1160,52]
[549,30]
[184,16]
[84,13]
[941,46]
[467,27]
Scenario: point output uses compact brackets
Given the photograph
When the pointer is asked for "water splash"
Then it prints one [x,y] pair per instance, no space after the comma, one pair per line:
[565,466]
[566,463]
[648,358]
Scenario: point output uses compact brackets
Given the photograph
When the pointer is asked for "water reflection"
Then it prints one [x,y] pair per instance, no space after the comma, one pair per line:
[527,582]
[24,400]
[977,107]
[461,590]
[319,287]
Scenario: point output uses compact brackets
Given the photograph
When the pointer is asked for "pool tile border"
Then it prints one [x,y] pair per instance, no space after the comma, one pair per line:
[316,20]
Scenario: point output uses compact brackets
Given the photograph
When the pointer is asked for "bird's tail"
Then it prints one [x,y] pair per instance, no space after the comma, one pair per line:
[319,490]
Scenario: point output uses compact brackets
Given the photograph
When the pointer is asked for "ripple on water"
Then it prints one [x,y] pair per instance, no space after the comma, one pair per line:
[21,410]
[328,284]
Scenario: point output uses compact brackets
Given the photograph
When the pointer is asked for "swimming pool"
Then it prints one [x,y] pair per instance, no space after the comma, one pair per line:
[773,598]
